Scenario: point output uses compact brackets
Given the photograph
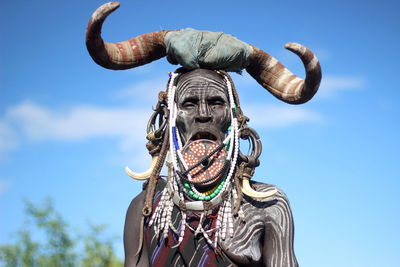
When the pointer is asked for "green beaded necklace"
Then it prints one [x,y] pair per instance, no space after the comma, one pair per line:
[202,198]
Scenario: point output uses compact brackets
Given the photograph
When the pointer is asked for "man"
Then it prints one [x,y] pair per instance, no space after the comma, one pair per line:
[205,212]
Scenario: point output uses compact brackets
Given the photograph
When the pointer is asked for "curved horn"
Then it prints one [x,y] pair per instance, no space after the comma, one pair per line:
[246,189]
[282,83]
[123,55]
[144,175]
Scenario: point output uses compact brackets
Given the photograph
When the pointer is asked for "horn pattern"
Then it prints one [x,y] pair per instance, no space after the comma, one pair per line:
[246,189]
[264,68]
[144,175]
[282,83]
[123,55]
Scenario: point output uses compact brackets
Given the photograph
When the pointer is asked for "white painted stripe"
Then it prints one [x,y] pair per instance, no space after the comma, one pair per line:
[289,92]
[128,51]
[270,63]
[312,64]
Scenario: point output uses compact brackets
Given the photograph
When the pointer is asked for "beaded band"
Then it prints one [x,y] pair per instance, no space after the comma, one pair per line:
[181,191]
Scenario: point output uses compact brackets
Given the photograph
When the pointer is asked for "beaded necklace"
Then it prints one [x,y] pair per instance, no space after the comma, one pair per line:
[183,192]
[175,149]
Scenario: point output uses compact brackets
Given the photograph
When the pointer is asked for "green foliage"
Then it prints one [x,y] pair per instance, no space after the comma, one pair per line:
[57,247]
[98,252]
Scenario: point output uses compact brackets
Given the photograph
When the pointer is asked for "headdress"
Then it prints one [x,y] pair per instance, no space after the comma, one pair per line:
[214,51]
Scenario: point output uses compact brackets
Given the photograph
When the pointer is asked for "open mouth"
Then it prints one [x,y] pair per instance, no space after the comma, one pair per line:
[203,135]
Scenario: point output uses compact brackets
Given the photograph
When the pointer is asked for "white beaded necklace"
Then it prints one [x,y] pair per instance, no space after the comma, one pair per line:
[174,192]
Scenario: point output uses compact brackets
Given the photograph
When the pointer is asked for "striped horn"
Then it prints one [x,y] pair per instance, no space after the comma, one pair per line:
[282,83]
[132,53]
[246,189]
[144,175]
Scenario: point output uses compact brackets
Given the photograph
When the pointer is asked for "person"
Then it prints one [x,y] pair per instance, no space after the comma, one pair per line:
[205,212]
[262,234]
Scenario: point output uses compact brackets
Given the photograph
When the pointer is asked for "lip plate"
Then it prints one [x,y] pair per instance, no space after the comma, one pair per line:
[192,153]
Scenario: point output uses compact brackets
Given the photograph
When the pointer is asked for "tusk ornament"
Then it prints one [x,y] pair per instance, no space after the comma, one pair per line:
[246,189]
[144,175]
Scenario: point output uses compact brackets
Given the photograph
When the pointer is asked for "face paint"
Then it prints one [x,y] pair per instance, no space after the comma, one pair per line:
[203,106]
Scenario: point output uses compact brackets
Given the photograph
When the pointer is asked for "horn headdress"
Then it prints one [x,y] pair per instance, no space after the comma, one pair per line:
[264,68]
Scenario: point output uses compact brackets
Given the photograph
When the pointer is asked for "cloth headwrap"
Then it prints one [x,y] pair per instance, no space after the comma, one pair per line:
[195,49]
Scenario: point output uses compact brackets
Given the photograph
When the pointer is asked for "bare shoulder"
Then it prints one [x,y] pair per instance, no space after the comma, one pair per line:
[136,206]
[278,227]
[133,233]
[135,252]
[137,202]
[276,207]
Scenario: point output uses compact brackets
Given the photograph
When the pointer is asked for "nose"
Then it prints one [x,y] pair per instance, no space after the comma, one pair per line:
[203,114]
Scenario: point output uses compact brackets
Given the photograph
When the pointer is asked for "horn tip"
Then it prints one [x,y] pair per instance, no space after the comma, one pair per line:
[293,46]
[109,7]
[114,4]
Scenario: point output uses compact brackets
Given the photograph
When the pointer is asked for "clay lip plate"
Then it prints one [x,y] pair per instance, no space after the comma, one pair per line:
[196,150]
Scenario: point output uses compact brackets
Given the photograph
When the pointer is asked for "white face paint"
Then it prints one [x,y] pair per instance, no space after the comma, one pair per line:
[203,106]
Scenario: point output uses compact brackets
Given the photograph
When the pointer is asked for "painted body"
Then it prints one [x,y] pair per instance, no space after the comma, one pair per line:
[264,239]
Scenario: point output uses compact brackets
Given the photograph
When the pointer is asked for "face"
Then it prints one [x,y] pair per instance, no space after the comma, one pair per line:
[203,107]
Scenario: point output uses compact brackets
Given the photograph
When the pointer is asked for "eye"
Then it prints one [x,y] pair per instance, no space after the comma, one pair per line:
[190,102]
[216,101]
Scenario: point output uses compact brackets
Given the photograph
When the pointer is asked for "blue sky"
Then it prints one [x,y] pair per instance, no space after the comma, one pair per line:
[69,127]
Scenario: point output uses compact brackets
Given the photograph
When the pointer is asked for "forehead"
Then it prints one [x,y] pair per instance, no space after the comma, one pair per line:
[202,84]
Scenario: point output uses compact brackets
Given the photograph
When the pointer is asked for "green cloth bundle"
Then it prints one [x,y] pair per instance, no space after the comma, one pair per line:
[195,49]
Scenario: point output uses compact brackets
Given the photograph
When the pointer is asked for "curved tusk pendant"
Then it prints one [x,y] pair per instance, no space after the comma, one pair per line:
[246,189]
[144,175]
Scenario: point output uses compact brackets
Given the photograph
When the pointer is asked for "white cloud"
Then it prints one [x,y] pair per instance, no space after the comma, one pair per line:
[29,121]
[331,85]
[79,122]
[277,116]
[32,122]
[35,122]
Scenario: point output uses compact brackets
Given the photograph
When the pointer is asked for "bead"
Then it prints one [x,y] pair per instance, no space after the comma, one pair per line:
[162,217]
[228,145]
